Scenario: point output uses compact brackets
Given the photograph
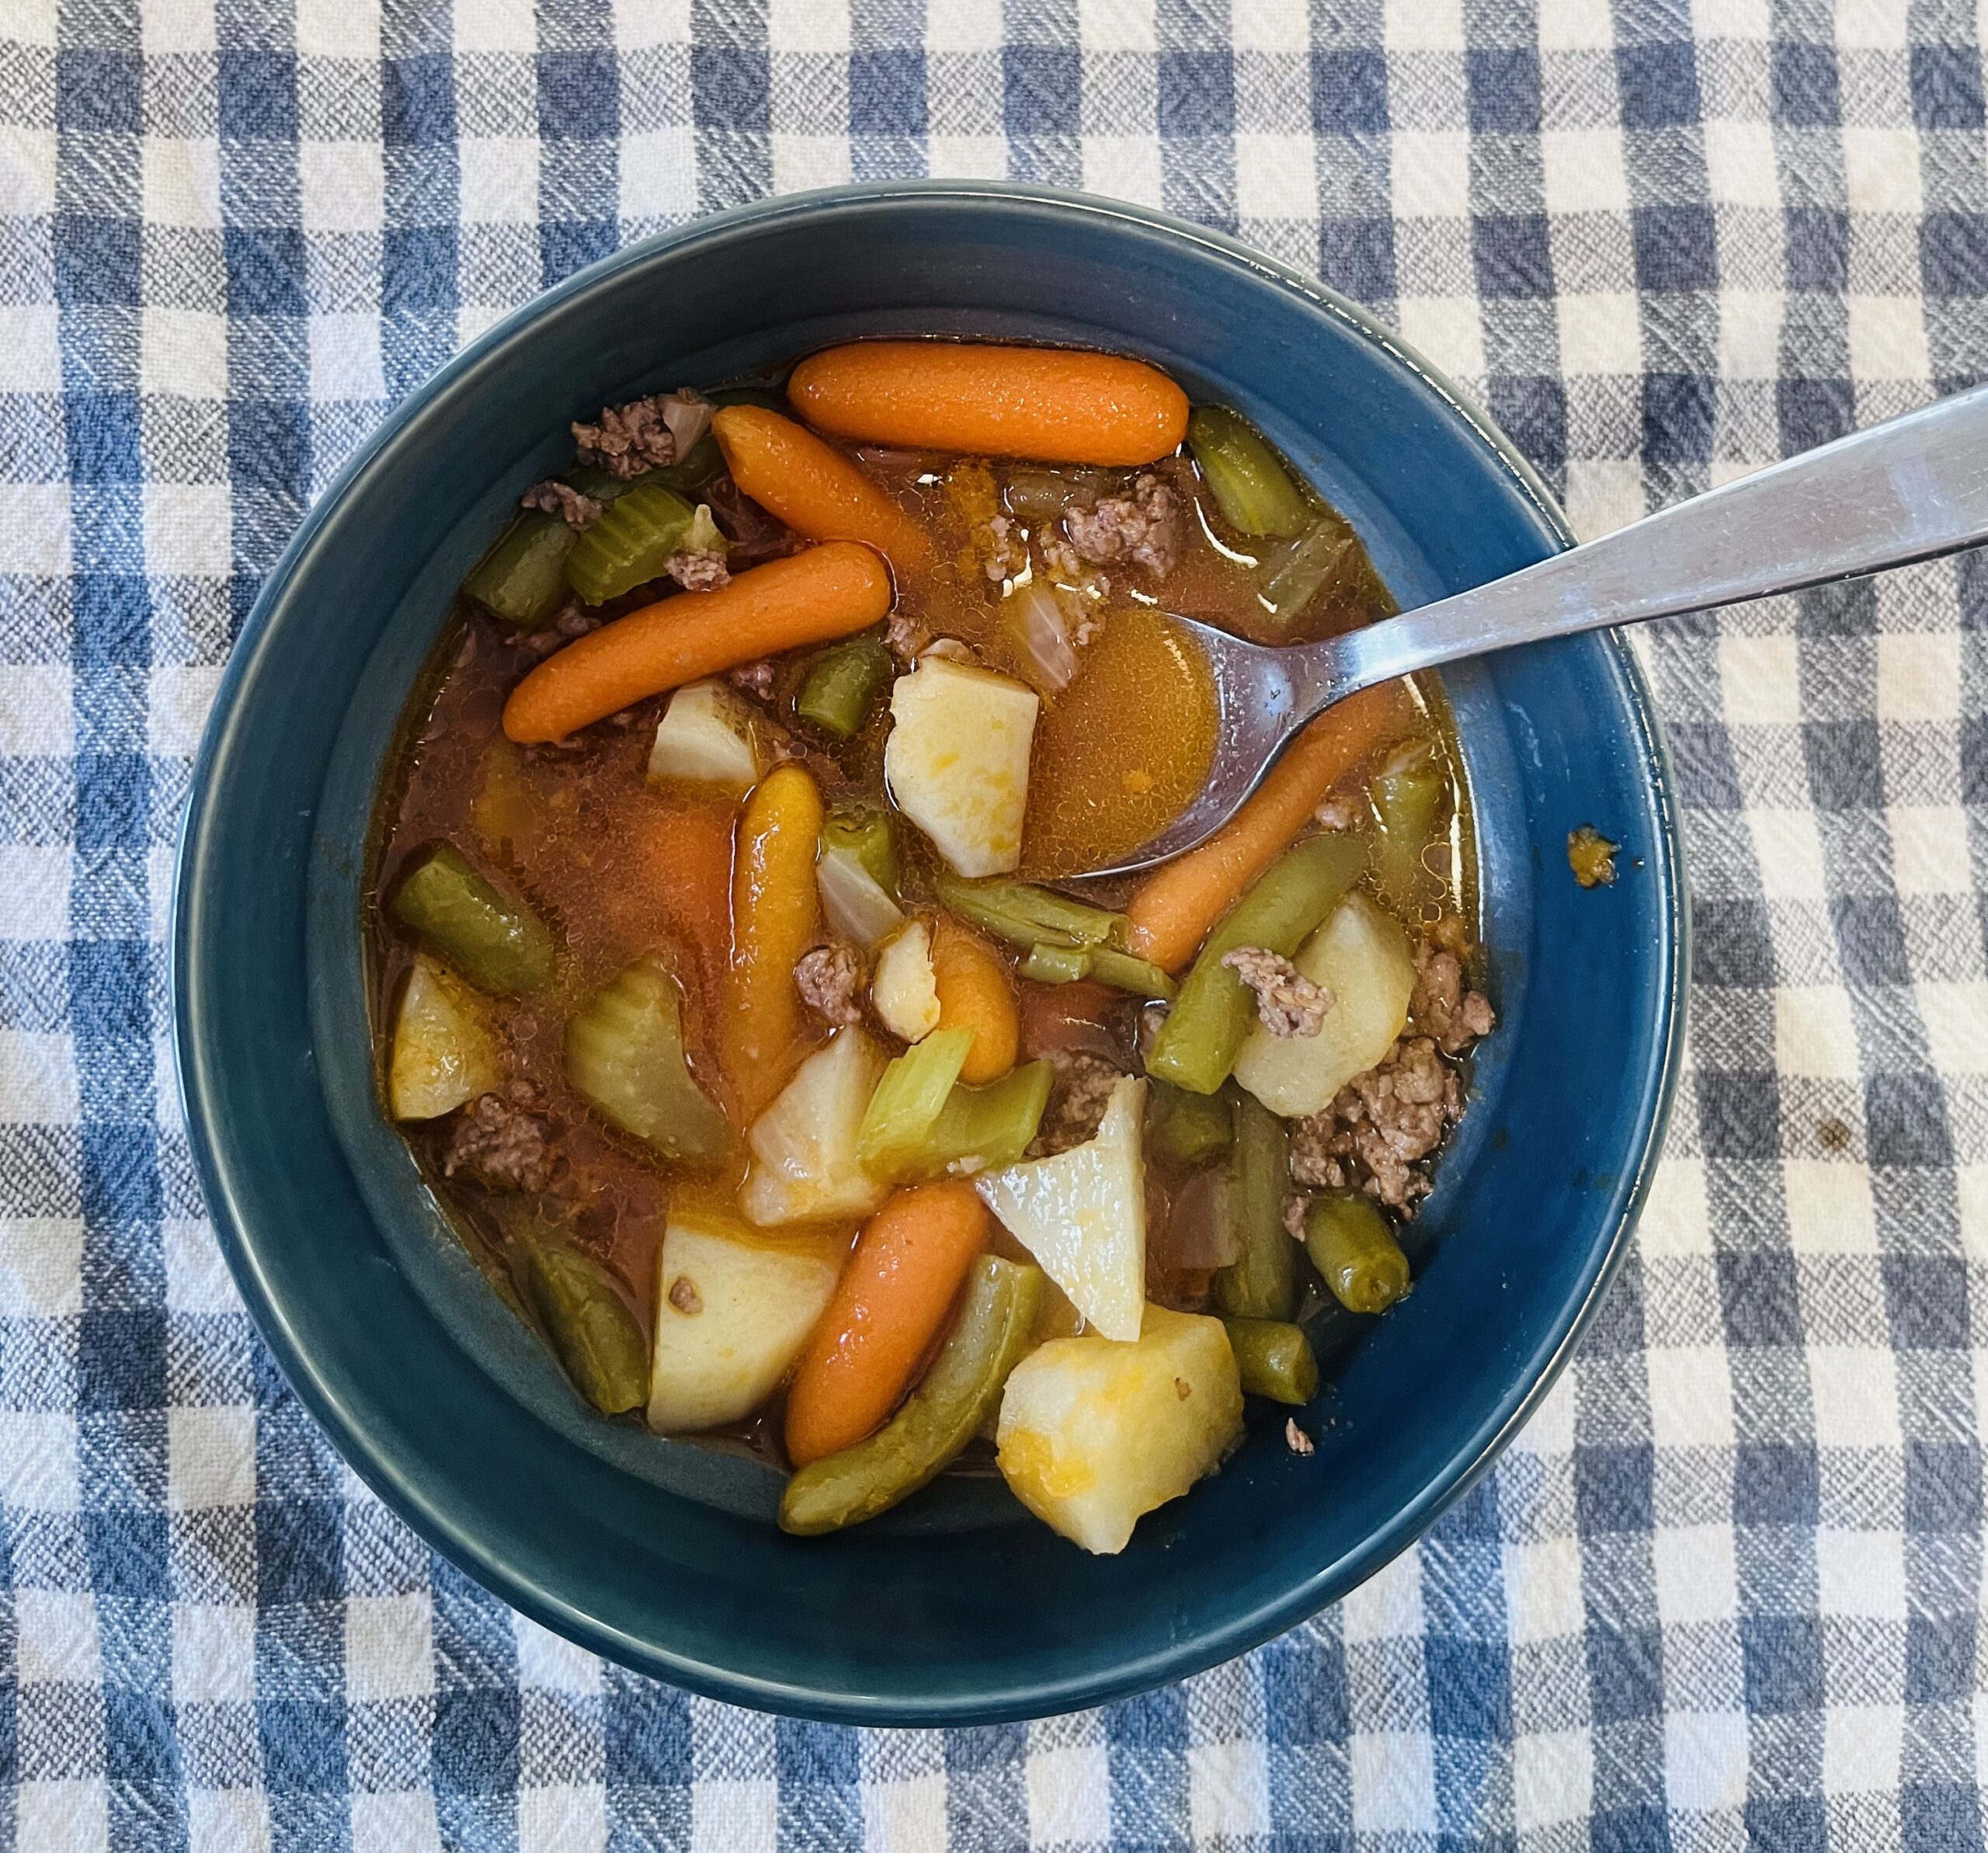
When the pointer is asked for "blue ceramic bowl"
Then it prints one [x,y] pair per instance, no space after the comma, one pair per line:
[958,1607]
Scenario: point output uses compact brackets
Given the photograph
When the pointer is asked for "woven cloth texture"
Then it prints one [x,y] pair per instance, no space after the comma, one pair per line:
[1726,1585]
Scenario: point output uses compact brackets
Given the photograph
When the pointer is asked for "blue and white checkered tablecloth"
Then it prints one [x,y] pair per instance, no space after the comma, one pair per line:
[1727,1585]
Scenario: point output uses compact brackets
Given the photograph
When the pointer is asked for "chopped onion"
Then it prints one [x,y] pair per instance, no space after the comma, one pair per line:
[1037,621]
[689,417]
[1200,1235]
[854,901]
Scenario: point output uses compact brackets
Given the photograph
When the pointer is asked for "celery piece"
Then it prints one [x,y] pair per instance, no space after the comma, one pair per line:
[1048,965]
[838,693]
[1186,1129]
[1262,1282]
[496,944]
[1197,1045]
[631,543]
[624,1056]
[867,835]
[1245,475]
[522,578]
[1026,915]
[1407,792]
[1294,573]
[908,1099]
[986,1128]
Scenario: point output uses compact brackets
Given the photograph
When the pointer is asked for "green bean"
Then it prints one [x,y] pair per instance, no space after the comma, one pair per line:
[993,1332]
[1354,1250]
[1295,573]
[983,1128]
[909,1097]
[1197,1045]
[1026,915]
[838,693]
[866,834]
[1407,792]
[590,1330]
[631,544]
[1262,1282]
[1048,965]
[522,578]
[1245,475]
[1187,1130]
[498,945]
[1274,1358]
[624,1056]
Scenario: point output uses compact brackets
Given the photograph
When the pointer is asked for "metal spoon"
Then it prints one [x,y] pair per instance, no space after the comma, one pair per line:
[1911,489]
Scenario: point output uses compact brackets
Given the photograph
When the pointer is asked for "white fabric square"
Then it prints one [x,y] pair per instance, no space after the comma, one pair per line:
[1600,333]
[962,25]
[188,529]
[400,1821]
[967,157]
[227,1820]
[1675,1220]
[1740,164]
[1881,169]
[1449,330]
[1604,493]
[1956,1020]
[1123,167]
[1275,177]
[1861,1574]
[658,174]
[1919,675]
[1760,680]
[1549,1430]
[38,1078]
[1697,1579]
[1394,1781]
[1929,849]
[1228,1791]
[1971,1185]
[1854,1390]
[41,1258]
[1830,1210]
[338,28]
[1873,25]
[1270,25]
[387,1646]
[75,1817]
[27,172]
[728,1816]
[1069,1794]
[345,357]
[1888,338]
[906,1816]
[1387,1606]
[1749,333]
[196,1278]
[1789,850]
[1577,25]
[213,1653]
[30,349]
[551,1662]
[1543,1589]
[183,352]
[642,23]
[210,1457]
[1114,25]
[1748,20]
[801,162]
[181,695]
[182,180]
[1424,24]
[171,25]
[33,21]
[55,1637]
[1583,171]
[1691,1396]
[34,539]
[807,25]
[1705,1760]
[1553,1778]
[496,26]
[499,179]
[38,1461]
[343,185]
[1431,169]
[1863,1749]
[562,1817]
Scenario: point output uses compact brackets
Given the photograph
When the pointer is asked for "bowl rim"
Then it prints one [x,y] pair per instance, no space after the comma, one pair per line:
[443,1528]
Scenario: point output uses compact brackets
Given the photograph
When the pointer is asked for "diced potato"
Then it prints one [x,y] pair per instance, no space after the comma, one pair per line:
[856,904]
[1360,955]
[709,735]
[1094,1434]
[804,1166]
[1082,1215]
[957,761]
[444,1054]
[905,991]
[734,1306]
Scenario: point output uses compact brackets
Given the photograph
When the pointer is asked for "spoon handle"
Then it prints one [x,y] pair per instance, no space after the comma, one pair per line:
[1911,489]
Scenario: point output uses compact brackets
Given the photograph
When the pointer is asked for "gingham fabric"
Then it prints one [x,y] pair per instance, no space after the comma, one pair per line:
[1726,1587]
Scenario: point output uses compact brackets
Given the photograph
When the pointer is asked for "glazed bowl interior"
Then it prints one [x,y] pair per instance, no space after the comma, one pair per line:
[957,1606]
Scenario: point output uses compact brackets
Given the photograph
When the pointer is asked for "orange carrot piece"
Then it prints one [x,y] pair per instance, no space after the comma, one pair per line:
[813,487]
[895,1291]
[1055,404]
[776,916]
[1174,907]
[976,992]
[827,592]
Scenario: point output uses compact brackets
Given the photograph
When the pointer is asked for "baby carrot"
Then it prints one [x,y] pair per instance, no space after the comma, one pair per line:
[1056,404]
[1174,907]
[827,592]
[814,488]
[975,993]
[776,916]
[899,1283]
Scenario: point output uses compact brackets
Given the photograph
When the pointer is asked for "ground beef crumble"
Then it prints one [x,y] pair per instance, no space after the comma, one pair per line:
[625,441]
[1288,1004]
[562,499]
[1003,553]
[698,571]
[755,678]
[499,1143]
[830,981]
[1143,526]
[1441,1007]
[1078,1097]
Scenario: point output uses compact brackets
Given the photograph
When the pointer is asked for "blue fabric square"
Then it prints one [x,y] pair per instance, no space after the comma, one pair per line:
[1946,87]
[1733,942]
[647,1735]
[417,101]
[1041,86]
[1805,85]
[1781,1661]
[128,1556]
[1197,93]
[1660,85]
[1305,1699]
[1786,1821]
[268,447]
[1814,411]
[113,621]
[1846,772]
[302,1745]
[1625,1674]
[1939,1658]
[1871,937]
[1739,1115]
[578,96]
[257,96]
[1613,1489]
[1926,1304]
[1470,1694]
[1678,413]
[806,1753]
[1675,248]
[1629,1830]
[730,88]
[112,1025]
[1707,776]
[140,1747]
[1357,256]
[265,272]
[1757,1294]
[121,1359]
[1349,92]
[1905,1120]
[1942,1485]
[1773,1483]
[1940,1817]
[1514,254]
[300,1550]
[96,260]
[985,1746]
[887,91]
[1531,410]
[418,268]
[1953,252]
[96,92]
[103,429]
[567,246]
[1502,88]
[1818,239]
[475,1745]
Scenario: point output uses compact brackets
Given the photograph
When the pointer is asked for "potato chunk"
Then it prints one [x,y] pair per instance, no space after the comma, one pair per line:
[443,1053]
[805,1167]
[709,735]
[1082,1215]
[733,1309]
[904,992]
[957,761]
[1093,1432]
[1360,955]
